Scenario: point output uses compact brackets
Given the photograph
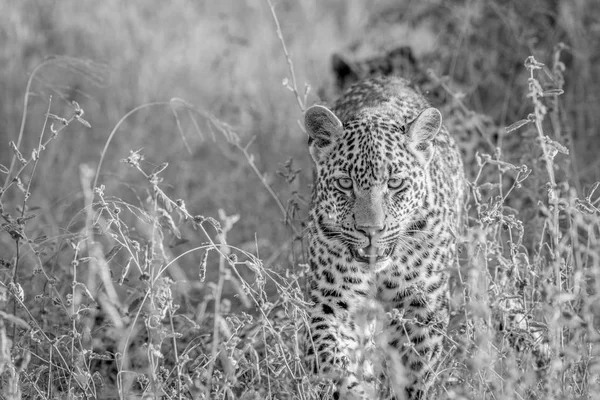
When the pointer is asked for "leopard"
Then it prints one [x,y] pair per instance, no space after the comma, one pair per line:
[382,233]
[399,61]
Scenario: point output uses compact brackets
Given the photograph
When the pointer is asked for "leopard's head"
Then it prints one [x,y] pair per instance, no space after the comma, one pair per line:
[371,180]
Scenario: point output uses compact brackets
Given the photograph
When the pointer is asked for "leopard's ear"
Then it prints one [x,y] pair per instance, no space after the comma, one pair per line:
[323,128]
[423,129]
[344,72]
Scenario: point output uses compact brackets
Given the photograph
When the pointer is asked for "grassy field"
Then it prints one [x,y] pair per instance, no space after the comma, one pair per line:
[155,180]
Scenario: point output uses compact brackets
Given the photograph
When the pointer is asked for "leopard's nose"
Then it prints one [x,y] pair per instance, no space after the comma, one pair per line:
[371,231]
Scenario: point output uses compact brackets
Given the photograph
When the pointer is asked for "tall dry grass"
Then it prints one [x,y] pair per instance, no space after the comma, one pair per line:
[153,198]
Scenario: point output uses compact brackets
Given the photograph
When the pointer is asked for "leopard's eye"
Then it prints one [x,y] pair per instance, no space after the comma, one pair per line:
[344,183]
[395,183]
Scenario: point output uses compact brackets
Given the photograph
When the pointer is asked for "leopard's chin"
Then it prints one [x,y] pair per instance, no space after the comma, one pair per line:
[371,254]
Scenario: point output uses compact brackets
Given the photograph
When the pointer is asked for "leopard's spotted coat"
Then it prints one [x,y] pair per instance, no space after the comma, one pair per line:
[382,229]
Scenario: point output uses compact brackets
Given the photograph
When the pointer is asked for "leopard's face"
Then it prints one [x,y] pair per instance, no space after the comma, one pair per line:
[369,187]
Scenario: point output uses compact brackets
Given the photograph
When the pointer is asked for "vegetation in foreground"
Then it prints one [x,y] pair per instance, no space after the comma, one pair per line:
[152,205]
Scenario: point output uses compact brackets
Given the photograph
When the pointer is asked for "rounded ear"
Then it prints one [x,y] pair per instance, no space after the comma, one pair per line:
[323,127]
[425,126]
[343,71]
[423,129]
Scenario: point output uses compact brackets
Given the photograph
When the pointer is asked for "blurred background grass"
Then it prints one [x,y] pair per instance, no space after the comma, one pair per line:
[226,59]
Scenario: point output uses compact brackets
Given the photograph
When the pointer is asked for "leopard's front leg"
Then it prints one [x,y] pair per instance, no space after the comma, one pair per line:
[333,342]
[417,329]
